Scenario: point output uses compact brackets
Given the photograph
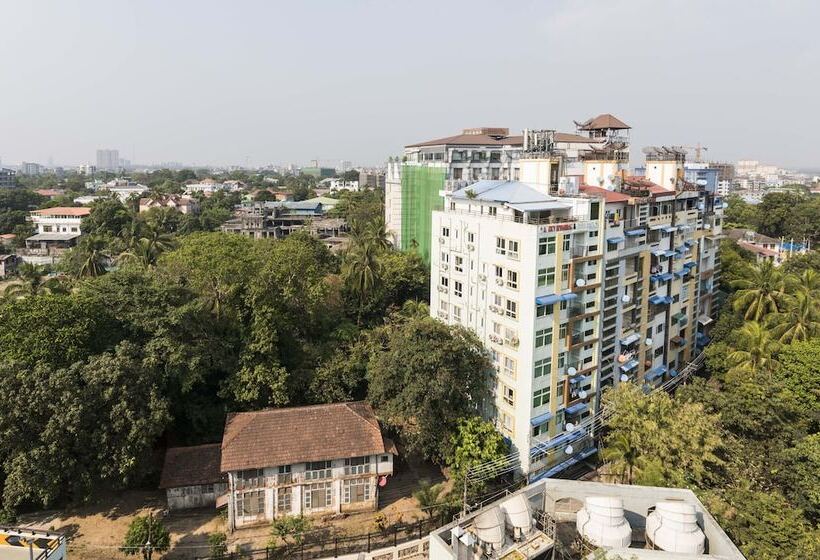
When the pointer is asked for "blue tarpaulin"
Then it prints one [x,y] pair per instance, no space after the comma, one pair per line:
[654,373]
[630,365]
[577,408]
[630,339]
[635,232]
[614,240]
[548,300]
[567,297]
[538,420]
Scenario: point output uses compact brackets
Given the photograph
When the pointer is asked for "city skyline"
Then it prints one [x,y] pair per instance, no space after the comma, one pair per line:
[159,85]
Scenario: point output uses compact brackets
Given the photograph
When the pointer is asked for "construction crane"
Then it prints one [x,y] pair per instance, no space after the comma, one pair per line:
[698,149]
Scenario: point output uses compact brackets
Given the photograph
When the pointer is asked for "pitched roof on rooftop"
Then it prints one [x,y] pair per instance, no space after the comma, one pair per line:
[63,211]
[607,195]
[284,436]
[604,120]
[514,192]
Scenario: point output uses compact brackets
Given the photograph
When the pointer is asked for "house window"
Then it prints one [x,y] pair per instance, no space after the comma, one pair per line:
[283,500]
[251,503]
[457,313]
[564,272]
[509,366]
[459,264]
[512,309]
[537,431]
[546,246]
[445,281]
[546,276]
[458,288]
[499,272]
[470,237]
[512,249]
[445,232]
[456,170]
[567,241]
[512,279]
[543,310]
[357,465]
[541,397]
[562,331]
[492,210]
[542,367]
[356,490]
[317,470]
[500,245]
[507,423]
[445,257]
[543,337]
[509,395]
[318,495]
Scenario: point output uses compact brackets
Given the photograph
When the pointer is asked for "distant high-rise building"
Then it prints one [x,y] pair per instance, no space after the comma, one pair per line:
[108,160]
[28,168]
[7,178]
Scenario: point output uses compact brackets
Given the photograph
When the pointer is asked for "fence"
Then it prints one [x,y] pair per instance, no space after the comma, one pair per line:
[341,545]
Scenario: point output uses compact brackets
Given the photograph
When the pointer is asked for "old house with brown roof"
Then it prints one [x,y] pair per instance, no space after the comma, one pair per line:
[303,460]
[191,476]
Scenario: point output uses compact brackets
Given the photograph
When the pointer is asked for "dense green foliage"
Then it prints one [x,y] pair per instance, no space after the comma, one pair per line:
[744,437]
[792,215]
[155,330]
[144,530]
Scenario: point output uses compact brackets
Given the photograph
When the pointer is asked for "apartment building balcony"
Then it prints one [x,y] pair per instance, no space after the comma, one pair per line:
[687,216]
[284,479]
[659,220]
[582,252]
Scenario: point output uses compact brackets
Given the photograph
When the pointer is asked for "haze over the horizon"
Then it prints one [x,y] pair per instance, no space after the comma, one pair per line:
[271,82]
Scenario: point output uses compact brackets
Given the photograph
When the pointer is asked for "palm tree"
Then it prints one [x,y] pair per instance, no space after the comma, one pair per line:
[33,282]
[429,497]
[92,256]
[801,321]
[151,242]
[624,457]
[361,270]
[808,282]
[754,351]
[760,292]
[377,231]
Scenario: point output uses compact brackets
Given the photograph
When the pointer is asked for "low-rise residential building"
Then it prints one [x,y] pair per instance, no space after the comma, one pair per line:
[276,220]
[191,477]
[276,464]
[50,193]
[210,186]
[8,265]
[183,204]
[336,184]
[584,520]
[766,248]
[57,228]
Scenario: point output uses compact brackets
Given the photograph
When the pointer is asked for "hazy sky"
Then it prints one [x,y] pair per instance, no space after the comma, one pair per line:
[236,81]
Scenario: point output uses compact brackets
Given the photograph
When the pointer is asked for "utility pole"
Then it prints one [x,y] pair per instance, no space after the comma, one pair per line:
[147,549]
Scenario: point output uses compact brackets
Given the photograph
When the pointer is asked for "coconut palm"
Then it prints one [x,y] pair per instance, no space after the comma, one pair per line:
[429,497]
[361,269]
[801,320]
[754,350]
[377,231]
[761,291]
[33,281]
[808,283]
[624,457]
[150,243]
[92,256]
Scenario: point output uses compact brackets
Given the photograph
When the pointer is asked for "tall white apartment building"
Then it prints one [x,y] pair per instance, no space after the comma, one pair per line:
[108,160]
[576,277]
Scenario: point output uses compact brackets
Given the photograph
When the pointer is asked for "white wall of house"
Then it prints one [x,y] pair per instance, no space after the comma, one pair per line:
[187,497]
[260,495]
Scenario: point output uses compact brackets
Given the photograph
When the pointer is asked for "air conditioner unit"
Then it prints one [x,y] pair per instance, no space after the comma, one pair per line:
[499,281]
[445,266]
[514,341]
[482,277]
[470,247]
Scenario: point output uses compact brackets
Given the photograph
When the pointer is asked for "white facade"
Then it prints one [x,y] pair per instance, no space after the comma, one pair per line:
[492,264]
[54,222]
[336,184]
[334,486]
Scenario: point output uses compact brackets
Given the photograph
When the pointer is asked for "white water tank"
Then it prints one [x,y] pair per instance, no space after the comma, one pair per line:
[601,521]
[489,527]
[517,514]
[673,527]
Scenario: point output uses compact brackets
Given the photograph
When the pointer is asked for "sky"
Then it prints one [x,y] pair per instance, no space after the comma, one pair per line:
[260,81]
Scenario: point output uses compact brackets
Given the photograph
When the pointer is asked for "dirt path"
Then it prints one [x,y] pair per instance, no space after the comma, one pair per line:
[97,530]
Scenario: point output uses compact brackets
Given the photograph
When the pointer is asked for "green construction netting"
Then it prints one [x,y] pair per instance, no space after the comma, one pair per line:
[420,188]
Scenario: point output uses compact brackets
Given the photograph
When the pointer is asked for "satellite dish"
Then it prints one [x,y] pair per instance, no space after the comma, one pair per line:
[626,299]
[582,394]
[648,341]
[624,377]
[580,282]
[571,370]
[702,182]
[569,450]
[569,426]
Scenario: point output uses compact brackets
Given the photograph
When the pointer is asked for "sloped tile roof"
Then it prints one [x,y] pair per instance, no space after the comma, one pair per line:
[284,436]
[191,466]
